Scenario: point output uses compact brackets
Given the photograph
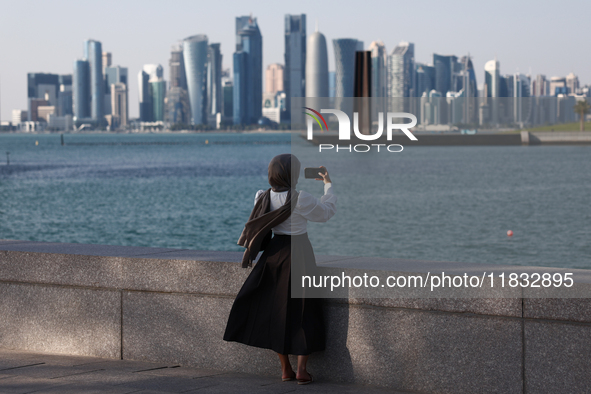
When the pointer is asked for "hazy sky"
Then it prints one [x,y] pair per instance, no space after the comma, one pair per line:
[546,37]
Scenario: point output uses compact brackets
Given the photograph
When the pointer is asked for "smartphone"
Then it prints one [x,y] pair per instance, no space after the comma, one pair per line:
[312,172]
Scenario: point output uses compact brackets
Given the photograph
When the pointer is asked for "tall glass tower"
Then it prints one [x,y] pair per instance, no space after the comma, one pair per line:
[214,81]
[145,99]
[115,74]
[469,85]
[195,57]
[379,75]
[344,52]
[294,75]
[81,89]
[316,66]
[176,65]
[445,68]
[401,70]
[158,93]
[64,96]
[493,86]
[492,73]
[148,74]
[425,79]
[177,108]
[248,71]
[93,52]
[332,82]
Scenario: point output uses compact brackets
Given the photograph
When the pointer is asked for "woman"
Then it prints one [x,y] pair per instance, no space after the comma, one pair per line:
[264,314]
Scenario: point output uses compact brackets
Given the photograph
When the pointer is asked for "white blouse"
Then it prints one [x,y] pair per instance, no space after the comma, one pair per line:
[307,208]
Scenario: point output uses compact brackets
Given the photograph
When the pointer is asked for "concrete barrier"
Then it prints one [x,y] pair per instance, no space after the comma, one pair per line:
[170,305]
[428,139]
[457,139]
[560,137]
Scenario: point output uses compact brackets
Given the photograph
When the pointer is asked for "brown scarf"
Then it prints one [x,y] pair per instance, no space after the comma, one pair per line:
[284,171]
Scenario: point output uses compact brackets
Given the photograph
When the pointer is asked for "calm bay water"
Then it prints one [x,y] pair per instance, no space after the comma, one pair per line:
[196,191]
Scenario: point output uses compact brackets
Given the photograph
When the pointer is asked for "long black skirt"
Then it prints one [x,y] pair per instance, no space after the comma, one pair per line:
[264,315]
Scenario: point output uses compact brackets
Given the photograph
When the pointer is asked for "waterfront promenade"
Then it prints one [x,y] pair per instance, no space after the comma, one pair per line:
[27,372]
[168,307]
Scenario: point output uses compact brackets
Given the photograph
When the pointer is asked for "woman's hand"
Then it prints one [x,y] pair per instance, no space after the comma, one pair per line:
[324,176]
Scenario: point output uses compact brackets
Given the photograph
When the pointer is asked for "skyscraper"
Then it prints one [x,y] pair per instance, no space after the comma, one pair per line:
[149,74]
[64,96]
[274,78]
[401,70]
[572,83]
[158,93]
[228,89]
[195,50]
[445,68]
[94,55]
[248,72]
[214,82]
[425,79]
[362,88]
[113,74]
[344,52]
[81,89]
[469,84]
[379,75]
[145,100]
[521,106]
[177,67]
[239,89]
[316,66]
[540,86]
[107,59]
[295,57]
[468,93]
[362,83]
[558,86]
[492,70]
[41,86]
[119,102]
[332,84]
[493,84]
[521,85]
[241,23]
[506,86]
[177,108]
[431,112]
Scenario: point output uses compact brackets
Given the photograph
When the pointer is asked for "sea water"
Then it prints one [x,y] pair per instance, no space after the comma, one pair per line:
[195,191]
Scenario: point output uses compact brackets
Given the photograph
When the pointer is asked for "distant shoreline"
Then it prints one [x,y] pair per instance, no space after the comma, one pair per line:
[425,138]
[457,139]
[139,132]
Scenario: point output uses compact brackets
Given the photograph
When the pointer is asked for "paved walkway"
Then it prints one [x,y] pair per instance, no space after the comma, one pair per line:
[25,372]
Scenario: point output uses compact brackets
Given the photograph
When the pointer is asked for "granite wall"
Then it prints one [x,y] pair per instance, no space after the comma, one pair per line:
[158,304]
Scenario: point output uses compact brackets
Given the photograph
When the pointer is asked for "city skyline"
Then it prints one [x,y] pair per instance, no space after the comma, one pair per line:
[53,53]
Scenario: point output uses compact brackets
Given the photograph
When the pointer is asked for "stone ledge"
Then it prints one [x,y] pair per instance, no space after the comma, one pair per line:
[557,357]
[403,349]
[61,320]
[219,273]
[142,303]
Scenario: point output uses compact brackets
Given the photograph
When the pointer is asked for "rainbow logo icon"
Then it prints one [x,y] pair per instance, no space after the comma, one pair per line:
[316,119]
